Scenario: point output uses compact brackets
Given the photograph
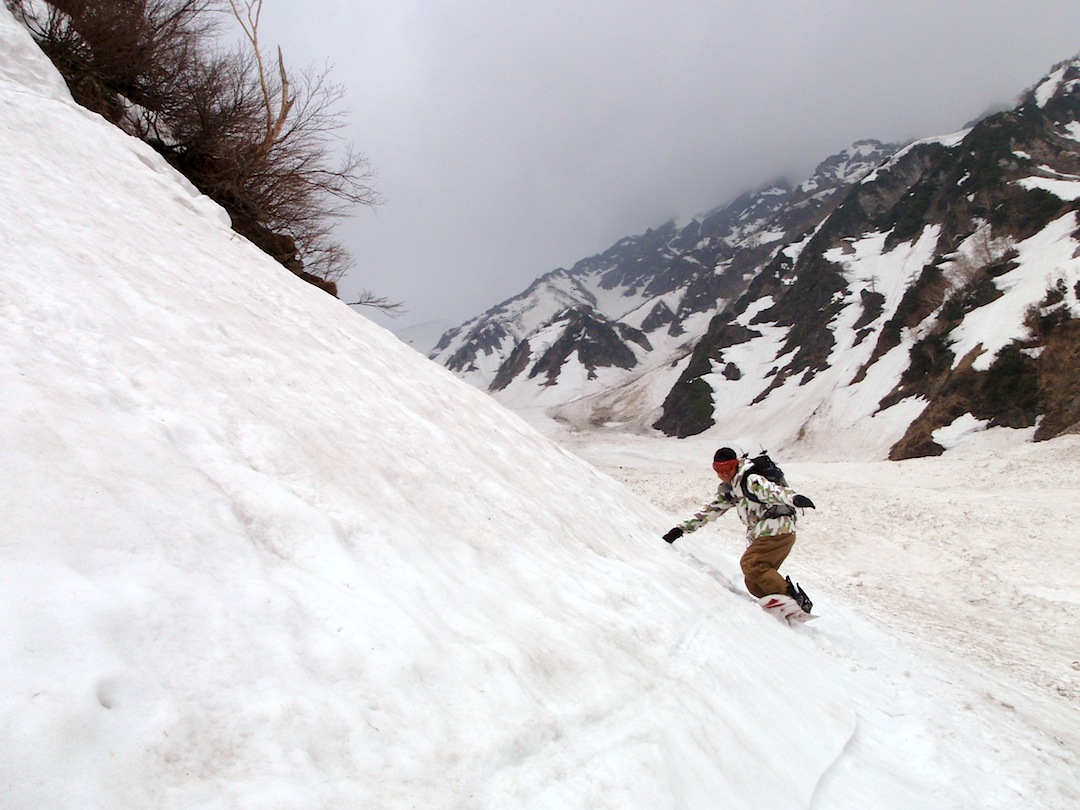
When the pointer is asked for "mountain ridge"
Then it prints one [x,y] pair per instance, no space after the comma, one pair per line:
[948,223]
[663,277]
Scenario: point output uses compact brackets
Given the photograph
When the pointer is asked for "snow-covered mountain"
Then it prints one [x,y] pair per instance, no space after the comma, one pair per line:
[906,304]
[645,301]
[941,297]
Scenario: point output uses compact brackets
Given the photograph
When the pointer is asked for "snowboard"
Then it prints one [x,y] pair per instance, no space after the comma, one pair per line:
[785,609]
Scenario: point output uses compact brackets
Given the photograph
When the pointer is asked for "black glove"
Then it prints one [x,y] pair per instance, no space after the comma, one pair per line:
[802,502]
[673,535]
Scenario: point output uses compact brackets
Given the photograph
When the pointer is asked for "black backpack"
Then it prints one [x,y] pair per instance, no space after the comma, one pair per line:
[764,466]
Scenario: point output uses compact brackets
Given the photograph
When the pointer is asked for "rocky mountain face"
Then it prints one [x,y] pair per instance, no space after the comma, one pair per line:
[945,288]
[647,299]
[898,301]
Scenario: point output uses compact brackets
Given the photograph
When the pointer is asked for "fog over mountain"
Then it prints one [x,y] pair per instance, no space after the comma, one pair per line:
[514,138]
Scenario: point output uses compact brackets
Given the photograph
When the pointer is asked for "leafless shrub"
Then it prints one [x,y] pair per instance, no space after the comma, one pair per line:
[931,289]
[262,145]
[114,53]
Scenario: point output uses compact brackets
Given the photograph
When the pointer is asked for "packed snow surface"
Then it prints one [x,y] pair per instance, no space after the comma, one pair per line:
[257,553]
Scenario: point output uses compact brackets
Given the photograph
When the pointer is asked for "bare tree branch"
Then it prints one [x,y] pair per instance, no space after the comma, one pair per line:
[395,309]
[263,146]
[276,112]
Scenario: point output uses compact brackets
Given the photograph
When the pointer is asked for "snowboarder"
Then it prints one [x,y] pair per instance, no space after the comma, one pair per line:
[768,510]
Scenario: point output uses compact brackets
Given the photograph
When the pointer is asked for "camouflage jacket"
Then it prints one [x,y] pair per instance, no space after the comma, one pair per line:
[761,519]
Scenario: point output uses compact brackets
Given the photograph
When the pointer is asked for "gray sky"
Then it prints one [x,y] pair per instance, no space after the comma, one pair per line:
[511,138]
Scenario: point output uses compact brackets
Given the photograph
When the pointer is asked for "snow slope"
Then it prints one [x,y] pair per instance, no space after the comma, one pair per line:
[970,560]
[258,553]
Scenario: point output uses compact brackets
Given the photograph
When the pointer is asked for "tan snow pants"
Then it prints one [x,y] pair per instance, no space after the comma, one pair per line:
[760,561]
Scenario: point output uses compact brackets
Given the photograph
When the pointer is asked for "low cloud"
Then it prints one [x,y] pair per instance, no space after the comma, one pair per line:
[512,138]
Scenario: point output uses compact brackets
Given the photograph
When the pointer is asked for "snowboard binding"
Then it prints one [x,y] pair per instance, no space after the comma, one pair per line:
[799,595]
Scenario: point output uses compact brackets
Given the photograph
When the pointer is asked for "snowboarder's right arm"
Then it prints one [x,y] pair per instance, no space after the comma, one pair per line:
[709,512]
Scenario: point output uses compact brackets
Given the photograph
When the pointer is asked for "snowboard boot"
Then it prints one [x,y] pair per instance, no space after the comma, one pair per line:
[799,595]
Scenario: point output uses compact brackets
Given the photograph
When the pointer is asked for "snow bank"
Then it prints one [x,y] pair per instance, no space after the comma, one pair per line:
[258,553]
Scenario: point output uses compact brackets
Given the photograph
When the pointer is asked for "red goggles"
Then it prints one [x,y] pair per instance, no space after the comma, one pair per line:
[726,468]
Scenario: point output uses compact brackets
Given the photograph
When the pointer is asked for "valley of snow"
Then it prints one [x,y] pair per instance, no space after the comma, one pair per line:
[257,553]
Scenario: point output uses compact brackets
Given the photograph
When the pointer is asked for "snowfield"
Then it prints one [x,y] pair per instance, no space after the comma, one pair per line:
[257,553]
[972,553]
